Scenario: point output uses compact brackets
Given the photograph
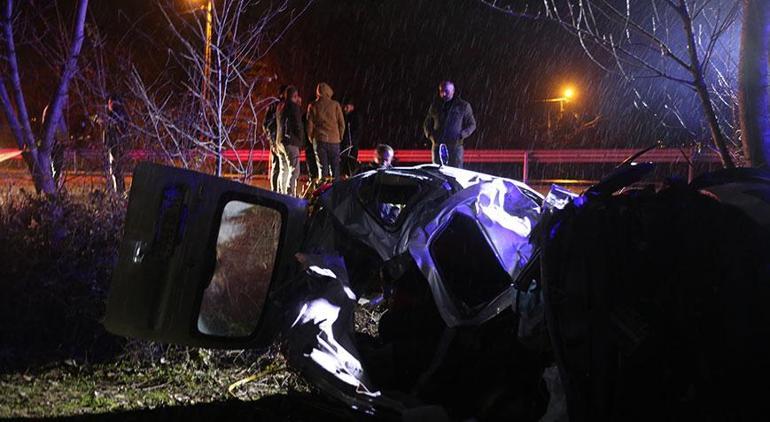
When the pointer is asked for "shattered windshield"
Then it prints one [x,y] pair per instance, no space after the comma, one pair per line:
[386,195]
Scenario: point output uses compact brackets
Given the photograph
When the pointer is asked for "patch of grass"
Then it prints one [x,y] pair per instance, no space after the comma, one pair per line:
[56,359]
[180,377]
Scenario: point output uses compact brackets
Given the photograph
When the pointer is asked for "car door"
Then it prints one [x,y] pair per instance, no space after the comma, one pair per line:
[201,259]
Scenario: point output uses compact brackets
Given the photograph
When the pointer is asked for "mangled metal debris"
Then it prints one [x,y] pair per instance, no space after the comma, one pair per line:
[485,282]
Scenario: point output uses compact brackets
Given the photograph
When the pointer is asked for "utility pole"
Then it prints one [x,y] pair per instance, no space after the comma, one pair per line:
[207,52]
[207,76]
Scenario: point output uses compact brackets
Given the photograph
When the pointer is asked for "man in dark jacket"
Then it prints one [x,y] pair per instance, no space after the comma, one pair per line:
[270,126]
[351,139]
[290,139]
[311,160]
[450,121]
[116,143]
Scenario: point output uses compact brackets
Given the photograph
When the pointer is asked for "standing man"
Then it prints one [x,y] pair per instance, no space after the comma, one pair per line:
[290,139]
[450,121]
[269,126]
[325,128]
[116,143]
[311,160]
[351,139]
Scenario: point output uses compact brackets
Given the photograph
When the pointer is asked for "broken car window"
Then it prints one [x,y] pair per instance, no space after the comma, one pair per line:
[246,248]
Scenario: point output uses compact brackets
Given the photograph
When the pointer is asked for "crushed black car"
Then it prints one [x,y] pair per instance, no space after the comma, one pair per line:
[493,302]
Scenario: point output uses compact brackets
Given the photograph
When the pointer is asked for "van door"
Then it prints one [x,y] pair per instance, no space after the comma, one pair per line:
[200,259]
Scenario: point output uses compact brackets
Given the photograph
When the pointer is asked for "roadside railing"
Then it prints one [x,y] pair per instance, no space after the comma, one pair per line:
[88,160]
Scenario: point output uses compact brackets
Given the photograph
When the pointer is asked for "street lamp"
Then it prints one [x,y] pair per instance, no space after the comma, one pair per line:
[568,94]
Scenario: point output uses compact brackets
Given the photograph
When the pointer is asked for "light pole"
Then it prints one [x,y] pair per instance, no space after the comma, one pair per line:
[208,6]
[568,94]
[207,49]
[207,75]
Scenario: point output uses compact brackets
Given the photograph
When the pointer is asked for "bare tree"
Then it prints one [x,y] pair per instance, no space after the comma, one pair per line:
[754,82]
[216,106]
[668,39]
[37,146]
[49,38]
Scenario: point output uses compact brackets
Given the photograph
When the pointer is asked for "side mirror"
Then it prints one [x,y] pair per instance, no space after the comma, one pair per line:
[558,197]
[443,154]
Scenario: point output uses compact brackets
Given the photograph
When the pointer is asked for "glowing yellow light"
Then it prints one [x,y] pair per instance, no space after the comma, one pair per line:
[569,93]
[197,4]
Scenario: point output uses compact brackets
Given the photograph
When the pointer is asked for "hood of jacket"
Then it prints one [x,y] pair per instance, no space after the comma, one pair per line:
[324,90]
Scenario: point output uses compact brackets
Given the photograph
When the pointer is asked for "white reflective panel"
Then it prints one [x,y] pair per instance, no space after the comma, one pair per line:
[491,202]
[246,249]
[466,178]
[324,272]
[328,352]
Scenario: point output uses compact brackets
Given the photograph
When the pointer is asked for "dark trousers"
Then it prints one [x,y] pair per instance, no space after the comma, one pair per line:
[289,170]
[329,159]
[311,161]
[456,152]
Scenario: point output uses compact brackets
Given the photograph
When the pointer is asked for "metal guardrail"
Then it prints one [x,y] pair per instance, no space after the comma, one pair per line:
[414,156]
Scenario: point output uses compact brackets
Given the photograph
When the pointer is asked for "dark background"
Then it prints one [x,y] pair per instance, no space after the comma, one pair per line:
[389,55]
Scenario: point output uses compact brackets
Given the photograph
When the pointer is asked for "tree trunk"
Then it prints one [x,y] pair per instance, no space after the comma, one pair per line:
[38,157]
[23,127]
[753,82]
[53,121]
[696,69]
[48,183]
[717,137]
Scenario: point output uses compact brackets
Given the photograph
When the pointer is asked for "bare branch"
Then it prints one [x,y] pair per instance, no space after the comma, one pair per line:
[508,10]
[15,79]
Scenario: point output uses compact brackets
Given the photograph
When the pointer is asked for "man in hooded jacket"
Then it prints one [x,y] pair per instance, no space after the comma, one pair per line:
[325,128]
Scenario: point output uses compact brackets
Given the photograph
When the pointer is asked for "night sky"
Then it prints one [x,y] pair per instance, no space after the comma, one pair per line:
[390,54]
